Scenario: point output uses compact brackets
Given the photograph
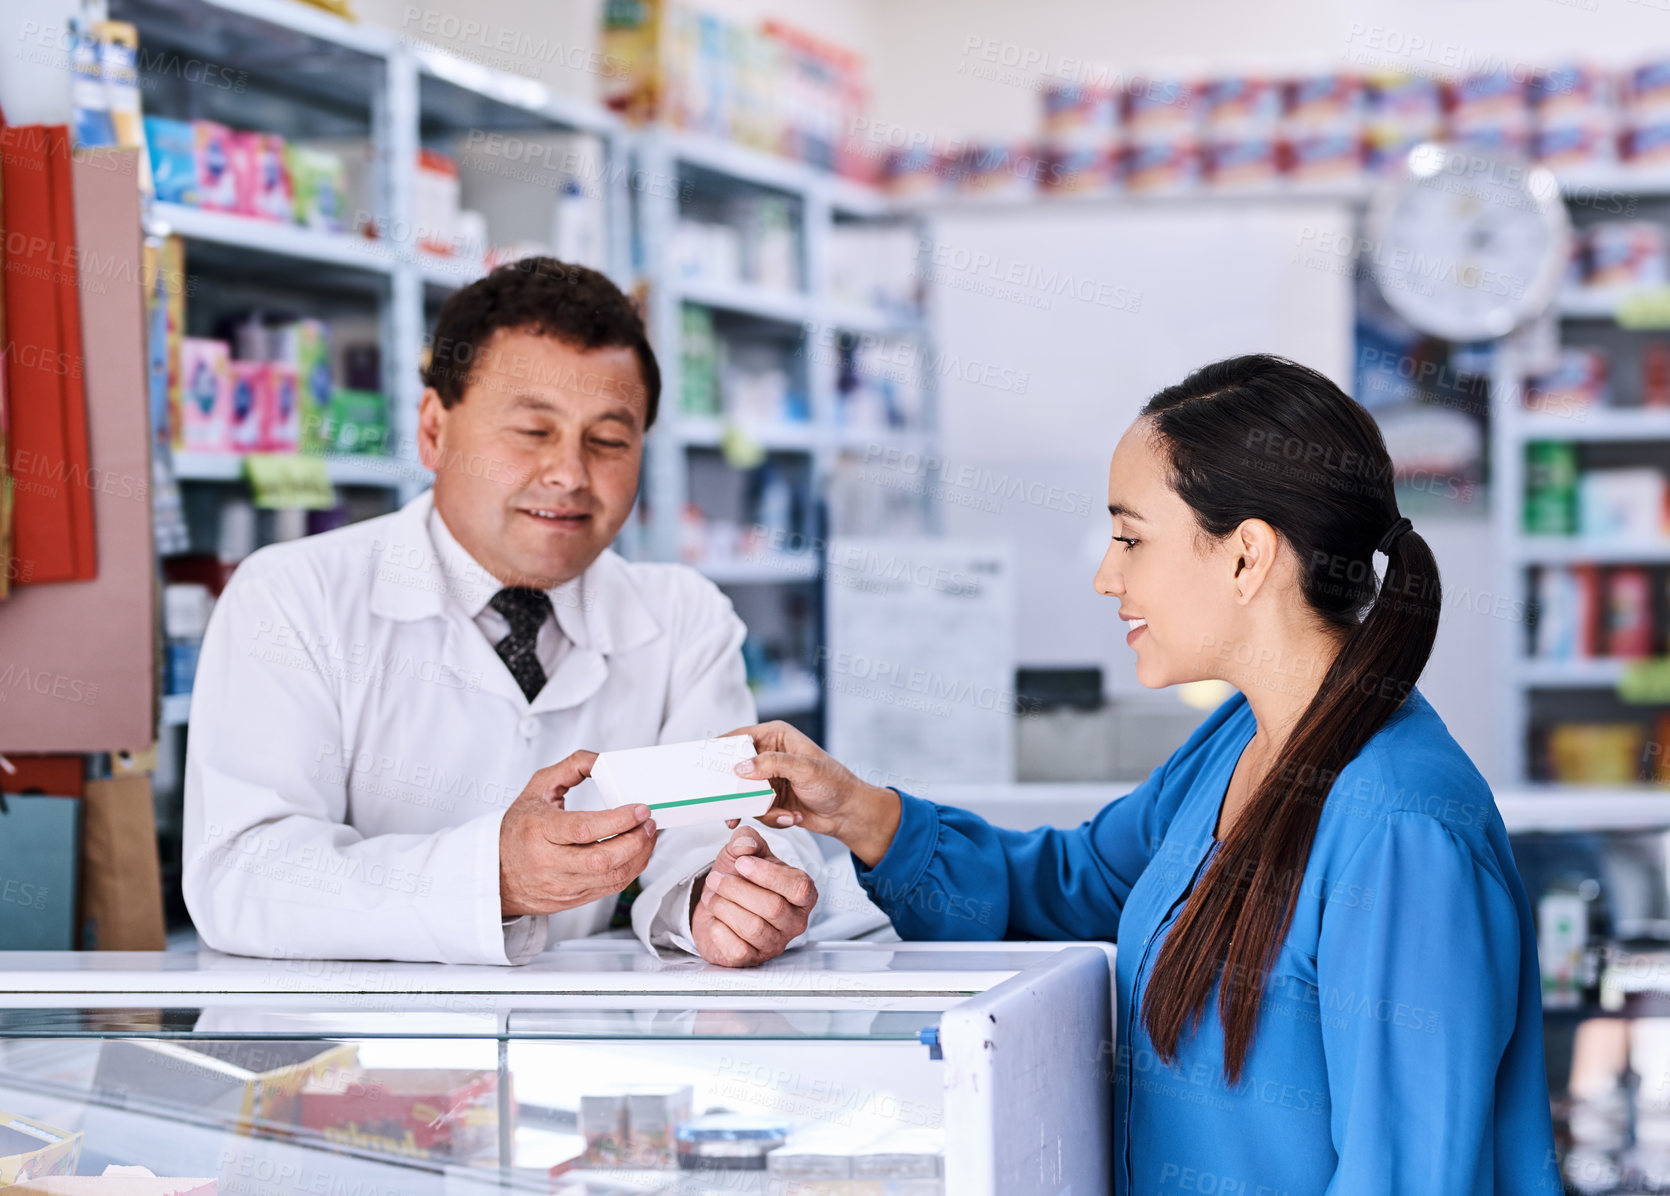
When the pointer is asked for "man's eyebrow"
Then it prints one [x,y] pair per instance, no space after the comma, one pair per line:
[1119,511]
[528,398]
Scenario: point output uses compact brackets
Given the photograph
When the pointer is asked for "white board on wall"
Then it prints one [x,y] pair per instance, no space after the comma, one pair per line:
[1053,325]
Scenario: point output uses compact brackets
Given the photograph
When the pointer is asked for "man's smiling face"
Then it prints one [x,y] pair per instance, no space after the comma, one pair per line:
[536,466]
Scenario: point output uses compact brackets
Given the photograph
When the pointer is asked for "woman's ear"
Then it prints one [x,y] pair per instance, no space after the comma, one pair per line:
[1254,547]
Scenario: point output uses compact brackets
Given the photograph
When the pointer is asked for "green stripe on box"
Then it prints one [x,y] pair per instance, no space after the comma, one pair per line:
[697,801]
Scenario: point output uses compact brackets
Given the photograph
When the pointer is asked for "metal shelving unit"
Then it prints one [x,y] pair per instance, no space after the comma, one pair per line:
[1513,428]
[822,199]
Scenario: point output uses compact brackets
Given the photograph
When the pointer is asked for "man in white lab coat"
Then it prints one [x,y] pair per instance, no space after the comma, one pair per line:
[386,717]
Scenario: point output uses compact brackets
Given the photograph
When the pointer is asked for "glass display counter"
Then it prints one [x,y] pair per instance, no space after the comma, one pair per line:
[846,1069]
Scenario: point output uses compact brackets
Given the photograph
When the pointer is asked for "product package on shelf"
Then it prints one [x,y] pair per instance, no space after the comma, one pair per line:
[1490,111]
[1574,117]
[1242,116]
[1399,113]
[205,396]
[242,1085]
[250,382]
[1578,382]
[173,149]
[305,346]
[413,1113]
[1082,134]
[31,1149]
[1322,127]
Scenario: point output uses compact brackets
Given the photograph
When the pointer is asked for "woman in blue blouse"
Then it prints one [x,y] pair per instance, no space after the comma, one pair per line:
[1327,975]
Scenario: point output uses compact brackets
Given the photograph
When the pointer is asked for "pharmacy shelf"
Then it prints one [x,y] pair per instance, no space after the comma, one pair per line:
[343,469]
[541,105]
[1573,550]
[1556,808]
[1590,304]
[1599,424]
[853,317]
[765,569]
[1600,673]
[698,431]
[746,299]
[272,237]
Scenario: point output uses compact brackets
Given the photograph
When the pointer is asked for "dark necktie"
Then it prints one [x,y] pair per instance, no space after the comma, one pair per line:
[526,611]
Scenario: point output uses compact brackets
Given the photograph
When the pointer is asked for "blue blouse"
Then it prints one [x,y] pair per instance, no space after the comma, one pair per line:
[1399,1048]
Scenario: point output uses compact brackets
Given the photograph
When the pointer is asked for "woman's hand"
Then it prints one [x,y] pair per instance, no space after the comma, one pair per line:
[816,791]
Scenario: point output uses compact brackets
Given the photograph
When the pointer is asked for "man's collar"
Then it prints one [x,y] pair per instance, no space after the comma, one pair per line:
[420,565]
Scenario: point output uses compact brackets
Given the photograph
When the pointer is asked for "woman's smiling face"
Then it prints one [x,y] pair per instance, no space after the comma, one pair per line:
[1175,585]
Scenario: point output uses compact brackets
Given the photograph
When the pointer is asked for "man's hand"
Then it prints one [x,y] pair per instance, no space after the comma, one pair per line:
[551,859]
[751,904]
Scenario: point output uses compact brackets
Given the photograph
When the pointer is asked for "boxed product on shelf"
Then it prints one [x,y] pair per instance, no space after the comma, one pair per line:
[264,178]
[280,417]
[602,1121]
[1578,381]
[435,194]
[355,422]
[250,385]
[1156,164]
[1655,375]
[1595,753]
[1550,488]
[1625,253]
[173,151]
[428,1113]
[1567,603]
[1322,126]
[217,186]
[30,1149]
[1490,111]
[1574,117]
[1080,170]
[319,187]
[875,265]
[205,396]
[653,1114]
[708,251]
[1623,503]
[1628,627]
[699,368]
[1399,112]
[239,1084]
[305,345]
[1242,123]
[1078,114]
[1646,140]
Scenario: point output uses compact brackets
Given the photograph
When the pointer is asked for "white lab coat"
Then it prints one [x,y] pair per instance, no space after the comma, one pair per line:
[355,741]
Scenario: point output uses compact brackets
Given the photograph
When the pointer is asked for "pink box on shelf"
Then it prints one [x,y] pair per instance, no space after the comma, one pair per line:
[251,381]
[205,396]
[280,416]
[216,180]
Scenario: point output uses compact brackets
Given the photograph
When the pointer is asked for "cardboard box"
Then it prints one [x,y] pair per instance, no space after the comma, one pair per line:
[29,1149]
[241,1084]
[684,783]
[116,1181]
[417,1113]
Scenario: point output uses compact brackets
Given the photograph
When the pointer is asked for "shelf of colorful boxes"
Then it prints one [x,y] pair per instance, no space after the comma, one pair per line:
[1105,133]
[1594,536]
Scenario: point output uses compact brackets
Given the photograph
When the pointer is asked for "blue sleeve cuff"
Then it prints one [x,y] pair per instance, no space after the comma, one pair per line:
[898,873]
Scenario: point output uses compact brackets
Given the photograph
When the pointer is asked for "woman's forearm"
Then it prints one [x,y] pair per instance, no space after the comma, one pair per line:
[868,823]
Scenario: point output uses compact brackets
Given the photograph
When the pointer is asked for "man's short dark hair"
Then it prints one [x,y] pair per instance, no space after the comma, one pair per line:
[541,295]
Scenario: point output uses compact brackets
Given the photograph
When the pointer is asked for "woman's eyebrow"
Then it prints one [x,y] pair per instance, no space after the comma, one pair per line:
[1120,511]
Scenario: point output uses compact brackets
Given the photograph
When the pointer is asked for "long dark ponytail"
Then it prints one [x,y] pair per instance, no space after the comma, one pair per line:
[1260,437]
